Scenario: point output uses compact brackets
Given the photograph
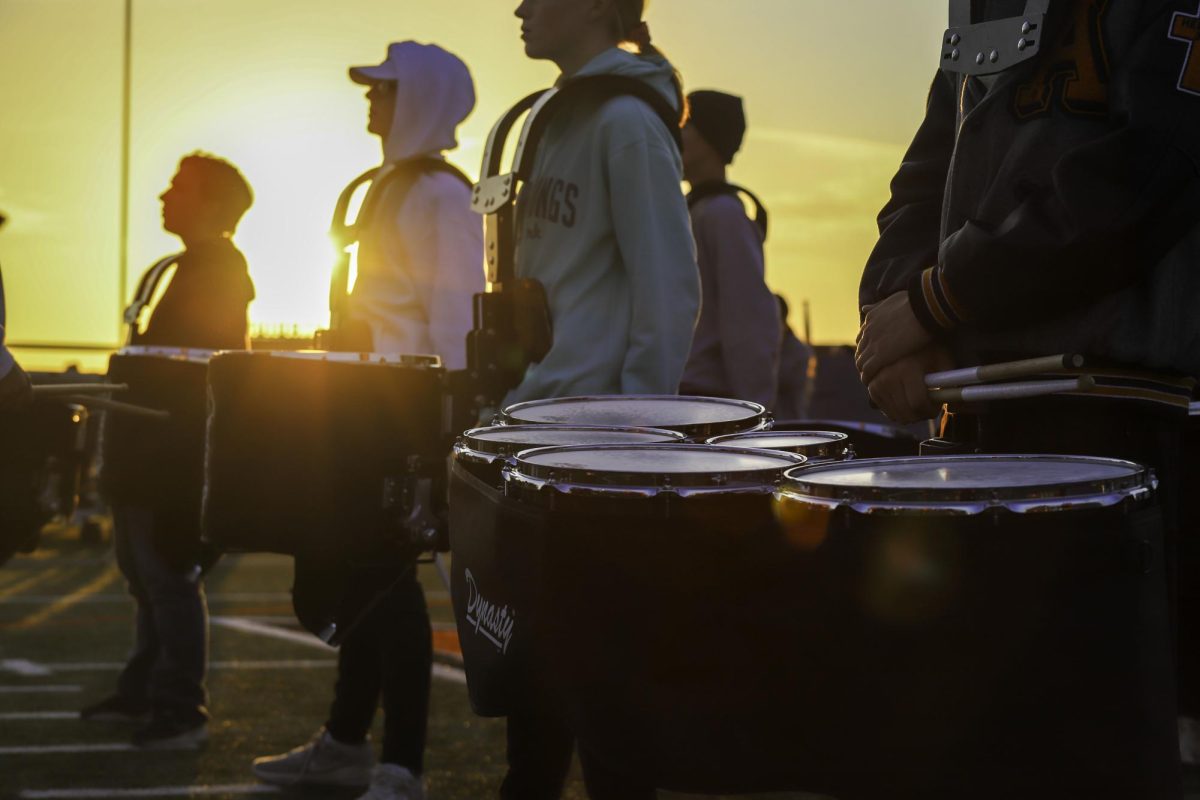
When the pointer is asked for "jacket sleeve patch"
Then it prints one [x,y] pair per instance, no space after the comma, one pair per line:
[1186,28]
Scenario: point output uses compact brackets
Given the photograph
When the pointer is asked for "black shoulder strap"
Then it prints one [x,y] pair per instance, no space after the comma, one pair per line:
[714,188]
[600,88]
[406,173]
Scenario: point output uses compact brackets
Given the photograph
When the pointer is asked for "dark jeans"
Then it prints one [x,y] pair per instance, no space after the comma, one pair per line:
[389,653]
[540,744]
[170,655]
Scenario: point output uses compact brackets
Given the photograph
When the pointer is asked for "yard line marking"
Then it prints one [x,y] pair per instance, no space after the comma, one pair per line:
[18,716]
[19,666]
[160,791]
[17,587]
[66,749]
[66,603]
[443,671]
[117,666]
[449,673]
[39,689]
[271,632]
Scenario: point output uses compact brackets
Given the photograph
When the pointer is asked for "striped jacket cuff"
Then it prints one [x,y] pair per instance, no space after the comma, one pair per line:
[933,303]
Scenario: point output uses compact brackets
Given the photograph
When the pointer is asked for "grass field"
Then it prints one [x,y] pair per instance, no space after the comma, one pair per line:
[66,626]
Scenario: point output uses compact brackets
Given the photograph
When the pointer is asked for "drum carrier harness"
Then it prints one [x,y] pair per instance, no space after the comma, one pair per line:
[974,47]
[343,334]
[513,325]
[716,188]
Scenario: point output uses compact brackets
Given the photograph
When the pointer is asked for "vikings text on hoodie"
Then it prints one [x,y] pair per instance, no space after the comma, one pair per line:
[421,259]
[603,225]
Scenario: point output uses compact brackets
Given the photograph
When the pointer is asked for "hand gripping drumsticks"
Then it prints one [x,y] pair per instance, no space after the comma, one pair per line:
[1008,371]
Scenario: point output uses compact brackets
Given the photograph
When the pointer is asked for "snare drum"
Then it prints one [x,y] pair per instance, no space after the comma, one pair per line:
[984,627]
[869,439]
[698,418]
[814,445]
[159,464]
[314,455]
[503,544]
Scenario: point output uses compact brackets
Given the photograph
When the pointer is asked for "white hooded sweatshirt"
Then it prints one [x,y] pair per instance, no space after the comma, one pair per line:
[603,225]
[420,260]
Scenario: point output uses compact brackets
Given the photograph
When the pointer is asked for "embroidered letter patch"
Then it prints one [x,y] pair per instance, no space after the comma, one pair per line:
[1186,28]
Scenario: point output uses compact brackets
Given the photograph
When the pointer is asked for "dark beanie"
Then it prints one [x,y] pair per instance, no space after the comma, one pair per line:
[719,118]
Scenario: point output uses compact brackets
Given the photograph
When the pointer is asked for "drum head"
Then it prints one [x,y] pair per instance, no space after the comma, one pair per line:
[661,467]
[812,444]
[1018,482]
[691,415]
[190,354]
[506,440]
[398,360]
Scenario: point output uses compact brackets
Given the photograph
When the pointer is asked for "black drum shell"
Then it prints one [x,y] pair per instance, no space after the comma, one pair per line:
[703,649]
[40,471]
[154,463]
[299,450]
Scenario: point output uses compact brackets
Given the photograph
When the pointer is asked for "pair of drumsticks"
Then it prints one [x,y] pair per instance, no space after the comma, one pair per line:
[88,396]
[1004,381]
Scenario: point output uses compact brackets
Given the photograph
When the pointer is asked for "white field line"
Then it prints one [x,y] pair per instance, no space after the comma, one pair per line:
[19,666]
[40,689]
[443,671]
[24,716]
[66,749]
[132,794]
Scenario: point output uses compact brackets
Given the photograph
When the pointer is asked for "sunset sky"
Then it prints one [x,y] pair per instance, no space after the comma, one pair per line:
[834,91]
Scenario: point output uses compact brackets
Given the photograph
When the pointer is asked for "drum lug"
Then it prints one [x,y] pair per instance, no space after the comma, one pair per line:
[410,496]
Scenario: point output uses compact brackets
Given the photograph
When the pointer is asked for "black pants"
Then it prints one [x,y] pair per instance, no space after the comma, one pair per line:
[389,653]
[540,744]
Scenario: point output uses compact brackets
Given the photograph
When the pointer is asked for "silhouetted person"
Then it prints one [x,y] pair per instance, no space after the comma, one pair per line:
[15,391]
[420,263]
[204,306]
[791,398]
[735,351]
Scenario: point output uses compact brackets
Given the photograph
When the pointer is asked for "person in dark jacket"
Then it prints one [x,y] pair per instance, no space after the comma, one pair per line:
[204,306]
[15,390]
[735,349]
[1055,208]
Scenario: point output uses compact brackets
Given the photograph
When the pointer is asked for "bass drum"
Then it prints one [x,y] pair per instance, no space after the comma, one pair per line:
[869,439]
[315,455]
[984,627]
[697,418]
[153,463]
[1189,578]
[40,472]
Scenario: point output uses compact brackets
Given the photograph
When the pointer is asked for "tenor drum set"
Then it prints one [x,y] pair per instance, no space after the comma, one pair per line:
[718,603]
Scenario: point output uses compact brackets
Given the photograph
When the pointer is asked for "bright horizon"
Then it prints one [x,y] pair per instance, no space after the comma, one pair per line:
[829,117]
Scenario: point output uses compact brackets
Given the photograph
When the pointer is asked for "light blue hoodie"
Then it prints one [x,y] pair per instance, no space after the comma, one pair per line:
[603,225]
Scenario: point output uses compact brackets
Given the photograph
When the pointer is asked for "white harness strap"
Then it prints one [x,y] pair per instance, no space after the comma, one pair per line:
[146,289]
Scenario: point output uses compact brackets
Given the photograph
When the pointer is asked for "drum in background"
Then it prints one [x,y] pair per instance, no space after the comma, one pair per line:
[698,418]
[870,439]
[485,451]
[816,446]
[44,450]
[979,627]
[1189,571]
[159,464]
[503,545]
[333,458]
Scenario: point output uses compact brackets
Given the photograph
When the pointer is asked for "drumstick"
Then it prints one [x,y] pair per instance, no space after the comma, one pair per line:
[1011,391]
[1010,370]
[54,389]
[115,407]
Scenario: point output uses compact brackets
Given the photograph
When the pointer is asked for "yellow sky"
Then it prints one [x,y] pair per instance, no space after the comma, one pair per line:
[833,91]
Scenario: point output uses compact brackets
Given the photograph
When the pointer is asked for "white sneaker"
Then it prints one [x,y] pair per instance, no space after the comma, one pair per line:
[323,761]
[393,782]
